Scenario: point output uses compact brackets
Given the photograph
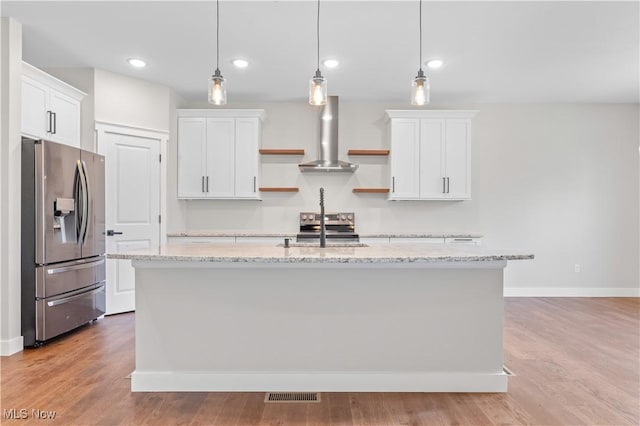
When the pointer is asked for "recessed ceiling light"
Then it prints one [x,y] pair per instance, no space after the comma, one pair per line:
[240,63]
[138,63]
[435,63]
[330,63]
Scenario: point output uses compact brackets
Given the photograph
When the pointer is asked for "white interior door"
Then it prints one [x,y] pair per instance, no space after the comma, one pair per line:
[132,181]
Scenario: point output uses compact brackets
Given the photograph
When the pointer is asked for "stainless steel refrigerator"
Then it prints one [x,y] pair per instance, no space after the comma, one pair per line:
[63,239]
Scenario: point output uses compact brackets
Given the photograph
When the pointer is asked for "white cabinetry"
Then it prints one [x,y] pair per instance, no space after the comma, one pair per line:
[370,241]
[50,107]
[430,154]
[218,153]
[416,240]
[261,240]
[472,241]
[202,240]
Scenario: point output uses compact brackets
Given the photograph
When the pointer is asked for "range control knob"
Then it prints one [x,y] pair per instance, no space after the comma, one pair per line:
[350,217]
[304,217]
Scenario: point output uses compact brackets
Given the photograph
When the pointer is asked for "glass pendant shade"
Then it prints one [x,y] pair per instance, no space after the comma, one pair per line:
[420,89]
[217,89]
[318,90]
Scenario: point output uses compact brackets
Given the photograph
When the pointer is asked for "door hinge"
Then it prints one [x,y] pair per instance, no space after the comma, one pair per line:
[159,219]
[159,158]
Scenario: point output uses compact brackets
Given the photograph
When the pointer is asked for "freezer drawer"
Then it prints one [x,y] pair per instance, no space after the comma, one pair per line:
[60,278]
[57,315]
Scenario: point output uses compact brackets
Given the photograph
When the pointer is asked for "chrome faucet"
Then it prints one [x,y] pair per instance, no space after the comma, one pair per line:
[323,227]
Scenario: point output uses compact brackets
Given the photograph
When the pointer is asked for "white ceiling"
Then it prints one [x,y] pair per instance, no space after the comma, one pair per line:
[493,51]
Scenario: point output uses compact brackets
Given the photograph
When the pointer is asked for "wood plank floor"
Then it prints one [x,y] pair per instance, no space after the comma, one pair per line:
[576,362]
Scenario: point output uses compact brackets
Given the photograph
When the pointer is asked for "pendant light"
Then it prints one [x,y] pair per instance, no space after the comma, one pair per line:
[217,83]
[318,84]
[420,87]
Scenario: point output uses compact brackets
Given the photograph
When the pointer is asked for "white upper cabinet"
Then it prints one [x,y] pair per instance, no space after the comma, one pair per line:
[221,158]
[218,153]
[192,160]
[50,107]
[405,159]
[246,172]
[430,154]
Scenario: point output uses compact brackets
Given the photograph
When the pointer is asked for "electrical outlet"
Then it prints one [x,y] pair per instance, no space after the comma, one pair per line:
[576,267]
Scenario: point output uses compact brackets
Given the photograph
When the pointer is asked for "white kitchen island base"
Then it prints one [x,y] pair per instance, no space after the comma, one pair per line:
[431,326]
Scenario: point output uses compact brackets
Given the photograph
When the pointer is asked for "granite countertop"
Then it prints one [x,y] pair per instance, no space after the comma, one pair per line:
[292,235]
[267,253]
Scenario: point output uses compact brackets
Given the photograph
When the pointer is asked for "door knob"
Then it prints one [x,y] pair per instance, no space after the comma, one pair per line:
[111,232]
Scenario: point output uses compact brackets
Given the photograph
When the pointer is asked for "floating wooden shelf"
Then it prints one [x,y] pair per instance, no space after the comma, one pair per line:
[368,152]
[371,190]
[278,189]
[282,151]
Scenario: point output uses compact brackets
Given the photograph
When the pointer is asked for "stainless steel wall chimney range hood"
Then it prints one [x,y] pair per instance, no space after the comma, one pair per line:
[328,148]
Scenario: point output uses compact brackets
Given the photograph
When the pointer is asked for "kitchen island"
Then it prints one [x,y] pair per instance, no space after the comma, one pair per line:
[265,318]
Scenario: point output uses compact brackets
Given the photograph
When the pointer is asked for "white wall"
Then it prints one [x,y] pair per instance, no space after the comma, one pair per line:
[129,101]
[176,212]
[563,181]
[559,180]
[118,99]
[10,155]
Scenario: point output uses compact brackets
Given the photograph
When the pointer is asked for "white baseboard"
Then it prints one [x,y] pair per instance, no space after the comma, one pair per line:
[317,382]
[572,292]
[10,347]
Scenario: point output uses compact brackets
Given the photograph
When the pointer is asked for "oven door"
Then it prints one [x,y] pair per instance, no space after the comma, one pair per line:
[305,237]
[59,314]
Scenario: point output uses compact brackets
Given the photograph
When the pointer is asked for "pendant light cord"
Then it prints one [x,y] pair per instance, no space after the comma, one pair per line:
[420,34]
[318,35]
[217,34]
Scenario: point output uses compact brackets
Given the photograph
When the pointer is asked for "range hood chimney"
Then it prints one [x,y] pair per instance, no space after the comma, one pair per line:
[328,148]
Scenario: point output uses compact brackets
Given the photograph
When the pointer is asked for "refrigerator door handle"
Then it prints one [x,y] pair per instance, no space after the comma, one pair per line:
[78,199]
[83,201]
[86,216]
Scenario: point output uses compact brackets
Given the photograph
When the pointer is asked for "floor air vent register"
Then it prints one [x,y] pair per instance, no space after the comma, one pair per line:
[275,397]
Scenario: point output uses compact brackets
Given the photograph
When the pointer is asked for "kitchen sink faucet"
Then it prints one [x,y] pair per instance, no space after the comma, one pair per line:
[323,227]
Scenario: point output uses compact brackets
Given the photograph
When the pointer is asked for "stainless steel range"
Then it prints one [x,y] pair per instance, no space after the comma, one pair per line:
[340,227]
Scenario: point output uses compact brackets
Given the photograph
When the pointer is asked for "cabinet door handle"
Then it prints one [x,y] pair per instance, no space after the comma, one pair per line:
[254,184]
[207,183]
[202,184]
[393,184]
[48,121]
[444,185]
[55,124]
[447,185]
